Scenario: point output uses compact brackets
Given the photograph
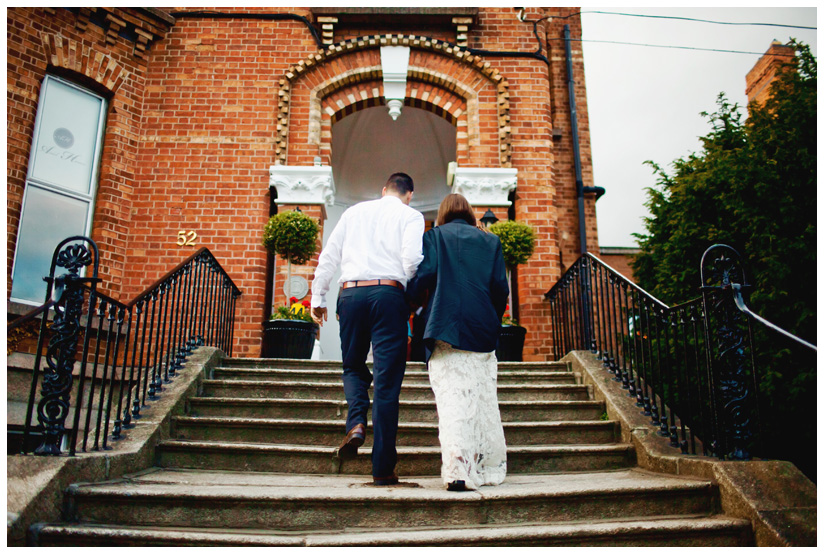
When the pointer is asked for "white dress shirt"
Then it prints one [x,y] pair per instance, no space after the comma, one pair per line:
[376,239]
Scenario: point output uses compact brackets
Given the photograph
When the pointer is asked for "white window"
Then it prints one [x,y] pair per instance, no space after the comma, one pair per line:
[61,183]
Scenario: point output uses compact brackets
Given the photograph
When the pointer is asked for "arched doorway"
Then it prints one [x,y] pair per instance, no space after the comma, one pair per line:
[368,146]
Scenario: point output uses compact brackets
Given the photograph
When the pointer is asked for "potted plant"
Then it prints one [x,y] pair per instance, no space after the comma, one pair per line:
[518,240]
[290,332]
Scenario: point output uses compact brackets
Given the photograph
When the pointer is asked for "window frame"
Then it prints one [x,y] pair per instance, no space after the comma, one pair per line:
[57,189]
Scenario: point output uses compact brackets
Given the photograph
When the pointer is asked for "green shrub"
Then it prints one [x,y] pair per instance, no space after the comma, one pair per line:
[292,235]
[518,240]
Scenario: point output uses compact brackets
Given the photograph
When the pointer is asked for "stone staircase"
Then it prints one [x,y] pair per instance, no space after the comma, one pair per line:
[251,464]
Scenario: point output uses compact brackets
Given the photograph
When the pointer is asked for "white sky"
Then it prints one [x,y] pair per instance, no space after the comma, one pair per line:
[644,103]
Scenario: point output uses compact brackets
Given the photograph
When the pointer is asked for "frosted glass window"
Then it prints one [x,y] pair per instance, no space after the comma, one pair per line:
[48,218]
[67,137]
[61,181]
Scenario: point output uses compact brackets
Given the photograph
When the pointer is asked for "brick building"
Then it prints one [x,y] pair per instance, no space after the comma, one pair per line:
[158,132]
[759,78]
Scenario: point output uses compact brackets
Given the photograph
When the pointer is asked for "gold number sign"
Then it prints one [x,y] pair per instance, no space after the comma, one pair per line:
[186,238]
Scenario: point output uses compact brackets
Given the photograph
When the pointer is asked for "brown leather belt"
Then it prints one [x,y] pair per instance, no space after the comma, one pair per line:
[370,282]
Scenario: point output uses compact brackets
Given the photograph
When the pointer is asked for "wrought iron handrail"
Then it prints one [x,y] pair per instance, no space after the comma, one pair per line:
[689,366]
[29,316]
[129,350]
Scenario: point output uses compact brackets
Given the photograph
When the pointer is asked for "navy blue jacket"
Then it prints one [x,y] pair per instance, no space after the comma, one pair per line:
[463,270]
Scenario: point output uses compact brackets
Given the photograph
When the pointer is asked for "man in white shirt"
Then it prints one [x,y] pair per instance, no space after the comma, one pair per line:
[377,244]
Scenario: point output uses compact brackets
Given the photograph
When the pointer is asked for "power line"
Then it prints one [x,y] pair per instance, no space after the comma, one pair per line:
[675,47]
[698,20]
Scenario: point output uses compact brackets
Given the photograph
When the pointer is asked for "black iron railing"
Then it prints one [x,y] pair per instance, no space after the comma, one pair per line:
[690,367]
[122,354]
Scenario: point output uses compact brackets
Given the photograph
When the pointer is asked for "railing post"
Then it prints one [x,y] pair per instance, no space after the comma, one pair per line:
[729,344]
[56,390]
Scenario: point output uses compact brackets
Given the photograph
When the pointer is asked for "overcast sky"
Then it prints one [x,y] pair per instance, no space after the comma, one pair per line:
[644,103]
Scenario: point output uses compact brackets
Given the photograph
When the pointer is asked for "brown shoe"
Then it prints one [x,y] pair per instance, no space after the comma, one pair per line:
[354,439]
[385,481]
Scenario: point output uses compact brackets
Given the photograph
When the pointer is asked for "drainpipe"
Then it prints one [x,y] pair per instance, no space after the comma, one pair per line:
[574,121]
[585,283]
[571,93]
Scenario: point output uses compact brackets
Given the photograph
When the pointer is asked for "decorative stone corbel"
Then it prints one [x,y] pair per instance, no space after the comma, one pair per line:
[302,184]
[327,29]
[142,43]
[462,28]
[395,61]
[115,25]
[485,186]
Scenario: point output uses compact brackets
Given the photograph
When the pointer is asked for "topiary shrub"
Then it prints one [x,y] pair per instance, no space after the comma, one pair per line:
[518,241]
[293,235]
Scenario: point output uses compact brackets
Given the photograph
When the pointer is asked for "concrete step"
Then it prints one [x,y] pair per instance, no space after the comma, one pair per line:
[412,461]
[331,432]
[298,364]
[667,532]
[258,389]
[410,376]
[239,500]
[409,411]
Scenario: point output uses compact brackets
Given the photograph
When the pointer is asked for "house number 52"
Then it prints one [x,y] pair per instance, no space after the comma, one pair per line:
[186,238]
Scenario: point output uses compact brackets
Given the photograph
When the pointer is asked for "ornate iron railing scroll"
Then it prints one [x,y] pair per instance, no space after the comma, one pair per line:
[129,352]
[690,367]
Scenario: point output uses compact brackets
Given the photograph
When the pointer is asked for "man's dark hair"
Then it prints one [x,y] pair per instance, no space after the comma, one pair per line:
[400,183]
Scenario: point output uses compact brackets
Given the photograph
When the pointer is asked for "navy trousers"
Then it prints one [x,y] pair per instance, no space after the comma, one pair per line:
[378,315]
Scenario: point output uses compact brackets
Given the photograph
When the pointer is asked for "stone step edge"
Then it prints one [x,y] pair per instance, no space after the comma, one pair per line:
[337,372]
[245,362]
[558,449]
[235,421]
[684,524]
[430,403]
[136,491]
[407,386]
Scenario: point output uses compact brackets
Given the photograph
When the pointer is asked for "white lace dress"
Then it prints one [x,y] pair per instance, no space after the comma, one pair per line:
[469,423]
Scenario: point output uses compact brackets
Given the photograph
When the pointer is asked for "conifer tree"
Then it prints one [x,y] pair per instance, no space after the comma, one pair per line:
[753,187]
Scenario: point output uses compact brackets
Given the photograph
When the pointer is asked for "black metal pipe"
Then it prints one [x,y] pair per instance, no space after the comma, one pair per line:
[571,93]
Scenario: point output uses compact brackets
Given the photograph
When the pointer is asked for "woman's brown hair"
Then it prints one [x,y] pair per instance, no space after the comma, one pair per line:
[455,207]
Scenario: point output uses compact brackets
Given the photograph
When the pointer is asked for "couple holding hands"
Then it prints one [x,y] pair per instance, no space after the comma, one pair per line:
[457,271]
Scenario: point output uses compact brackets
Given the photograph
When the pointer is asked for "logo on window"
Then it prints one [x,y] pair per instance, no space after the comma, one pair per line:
[63,137]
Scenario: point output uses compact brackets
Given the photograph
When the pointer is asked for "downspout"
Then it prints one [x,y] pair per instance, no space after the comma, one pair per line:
[571,93]
[574,122]
[585,282]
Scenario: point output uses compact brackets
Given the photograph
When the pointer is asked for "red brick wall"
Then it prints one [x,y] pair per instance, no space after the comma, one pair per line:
[207,145]
[51,39]
[195,129]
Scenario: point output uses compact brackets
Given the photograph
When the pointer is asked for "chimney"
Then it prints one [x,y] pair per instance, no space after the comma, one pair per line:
[764,71]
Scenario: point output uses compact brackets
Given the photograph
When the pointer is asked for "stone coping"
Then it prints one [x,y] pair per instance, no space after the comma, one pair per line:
[775,496]
[35,485]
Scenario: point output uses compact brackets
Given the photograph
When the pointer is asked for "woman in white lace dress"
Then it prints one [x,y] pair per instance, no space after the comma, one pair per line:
[463,276]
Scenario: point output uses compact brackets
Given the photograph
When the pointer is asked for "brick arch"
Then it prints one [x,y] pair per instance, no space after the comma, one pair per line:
[68,54]
[453,70]
[369,93]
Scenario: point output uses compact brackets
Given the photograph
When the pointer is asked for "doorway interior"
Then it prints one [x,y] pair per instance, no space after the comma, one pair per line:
[367,147]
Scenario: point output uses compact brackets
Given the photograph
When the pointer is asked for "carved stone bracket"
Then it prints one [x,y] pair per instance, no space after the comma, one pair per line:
[462,28]
[485,186]
[303,184]
[327,29]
